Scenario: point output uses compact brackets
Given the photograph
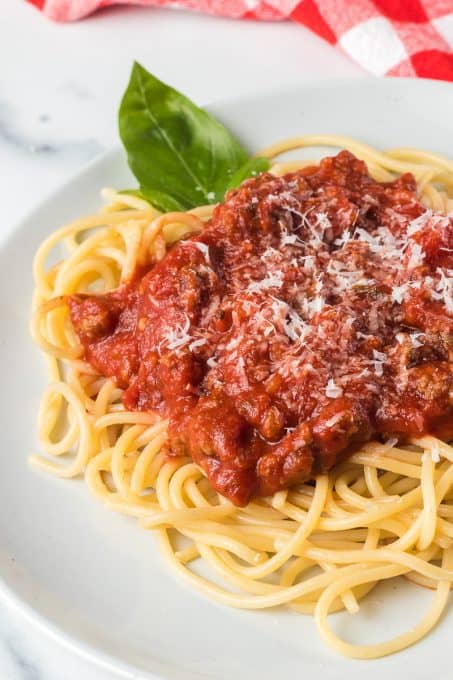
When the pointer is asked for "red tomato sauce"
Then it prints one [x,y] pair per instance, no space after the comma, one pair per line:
[314,312]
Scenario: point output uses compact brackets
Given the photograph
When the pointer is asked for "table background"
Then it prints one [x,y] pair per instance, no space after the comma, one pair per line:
[60,87]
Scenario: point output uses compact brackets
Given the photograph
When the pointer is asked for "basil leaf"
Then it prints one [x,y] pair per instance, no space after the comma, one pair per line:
[166,203]
[251,168]
[132,192]
[161,201]
[158,200]
[179,153]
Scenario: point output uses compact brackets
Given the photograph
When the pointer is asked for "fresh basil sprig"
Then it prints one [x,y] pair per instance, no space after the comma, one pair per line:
[180,154]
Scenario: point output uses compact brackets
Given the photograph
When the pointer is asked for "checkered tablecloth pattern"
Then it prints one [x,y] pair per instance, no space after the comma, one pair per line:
[386,37]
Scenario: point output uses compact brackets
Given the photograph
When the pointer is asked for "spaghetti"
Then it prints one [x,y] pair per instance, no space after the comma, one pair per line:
[386,511]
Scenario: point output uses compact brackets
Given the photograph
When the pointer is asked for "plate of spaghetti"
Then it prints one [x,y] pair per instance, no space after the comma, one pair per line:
[249,364]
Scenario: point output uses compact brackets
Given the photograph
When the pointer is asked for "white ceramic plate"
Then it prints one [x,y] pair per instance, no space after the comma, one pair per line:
[91,578]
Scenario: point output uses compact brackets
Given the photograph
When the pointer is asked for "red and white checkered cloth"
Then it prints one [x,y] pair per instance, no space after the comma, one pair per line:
[386,37]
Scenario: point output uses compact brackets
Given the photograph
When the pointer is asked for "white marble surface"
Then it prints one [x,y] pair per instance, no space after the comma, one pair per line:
[59,91]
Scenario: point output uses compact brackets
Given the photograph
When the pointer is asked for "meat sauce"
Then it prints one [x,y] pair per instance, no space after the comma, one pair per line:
[314,312]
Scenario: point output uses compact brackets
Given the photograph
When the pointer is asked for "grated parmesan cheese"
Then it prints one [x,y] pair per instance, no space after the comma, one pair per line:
[399,292]
[177,337]
[288,239]
[335,419]
[272,280]
[345,237]
[332,390]
[419,222]
[443,290]
[268,254]
[294,326]
[413,337]
[197,343]
[204,249]
[378,363]
[417,256]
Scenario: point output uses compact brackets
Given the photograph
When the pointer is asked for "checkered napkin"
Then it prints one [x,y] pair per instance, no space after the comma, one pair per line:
[386,37]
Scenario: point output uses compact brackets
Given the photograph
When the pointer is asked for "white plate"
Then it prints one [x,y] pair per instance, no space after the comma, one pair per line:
[92,578]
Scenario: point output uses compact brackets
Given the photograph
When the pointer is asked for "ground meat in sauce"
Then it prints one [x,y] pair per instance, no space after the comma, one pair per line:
[314,312]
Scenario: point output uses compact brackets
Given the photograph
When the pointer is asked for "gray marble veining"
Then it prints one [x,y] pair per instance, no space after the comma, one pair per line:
[21,660]
[45,144]
[76,89]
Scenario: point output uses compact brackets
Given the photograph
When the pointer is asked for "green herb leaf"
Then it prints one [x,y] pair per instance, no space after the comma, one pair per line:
[251,168]
[132,192]
[180,154]
[161,201]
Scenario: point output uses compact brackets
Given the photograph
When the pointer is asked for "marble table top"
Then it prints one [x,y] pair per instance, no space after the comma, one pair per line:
[59,91]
